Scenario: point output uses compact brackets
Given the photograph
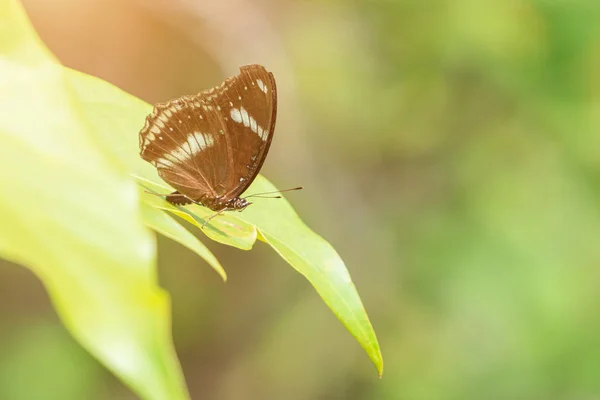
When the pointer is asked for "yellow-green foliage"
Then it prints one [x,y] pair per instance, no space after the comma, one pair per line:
[73,213]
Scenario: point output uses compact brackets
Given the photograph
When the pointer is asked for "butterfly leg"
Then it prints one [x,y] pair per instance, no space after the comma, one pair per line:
[214,215]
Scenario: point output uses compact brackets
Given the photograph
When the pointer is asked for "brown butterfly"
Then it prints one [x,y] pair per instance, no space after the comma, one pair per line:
[211,146]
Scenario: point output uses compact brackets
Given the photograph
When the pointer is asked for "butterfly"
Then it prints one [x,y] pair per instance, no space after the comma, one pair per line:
[211,146]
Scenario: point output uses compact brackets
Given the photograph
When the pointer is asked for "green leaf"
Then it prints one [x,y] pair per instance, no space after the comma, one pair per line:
[70,213]
[272,221]
[115,114]
[224,229]
[162,223]
[279,226]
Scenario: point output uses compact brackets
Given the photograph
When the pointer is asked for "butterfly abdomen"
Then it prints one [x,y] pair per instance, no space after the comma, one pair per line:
[178,199]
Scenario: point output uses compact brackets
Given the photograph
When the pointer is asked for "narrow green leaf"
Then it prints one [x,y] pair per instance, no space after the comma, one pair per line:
[224,229]
[70,214]
[162,223]
[280,227]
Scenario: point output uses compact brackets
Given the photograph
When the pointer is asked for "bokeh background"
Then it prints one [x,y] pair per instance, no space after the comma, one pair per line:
[450,151]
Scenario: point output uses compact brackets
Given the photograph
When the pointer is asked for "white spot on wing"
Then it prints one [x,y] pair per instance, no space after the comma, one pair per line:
[177,156]
[236,115]
[198,142]
[261,85]
[164,162]
[187,147]
[245,116]
[194,144]
[241,116]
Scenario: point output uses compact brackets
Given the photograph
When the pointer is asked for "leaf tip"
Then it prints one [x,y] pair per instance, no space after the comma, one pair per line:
[379,365]
[223,275]
[219,270]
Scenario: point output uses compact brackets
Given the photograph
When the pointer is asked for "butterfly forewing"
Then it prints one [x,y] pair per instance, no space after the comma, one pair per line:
[211,145]
[247,104]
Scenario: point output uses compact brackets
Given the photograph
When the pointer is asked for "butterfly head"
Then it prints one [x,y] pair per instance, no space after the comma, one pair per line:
[238,204]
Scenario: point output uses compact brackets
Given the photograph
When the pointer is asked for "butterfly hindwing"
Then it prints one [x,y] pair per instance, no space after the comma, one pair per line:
[176,133]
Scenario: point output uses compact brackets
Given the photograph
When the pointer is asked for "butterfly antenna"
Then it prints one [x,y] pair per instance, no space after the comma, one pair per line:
[277,191]
[156,194]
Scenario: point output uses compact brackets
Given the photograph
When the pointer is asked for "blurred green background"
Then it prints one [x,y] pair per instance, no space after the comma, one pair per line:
[450,151]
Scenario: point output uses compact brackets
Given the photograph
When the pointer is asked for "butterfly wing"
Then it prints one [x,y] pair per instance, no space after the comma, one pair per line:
[211,145]
[184,141]
[248,107]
